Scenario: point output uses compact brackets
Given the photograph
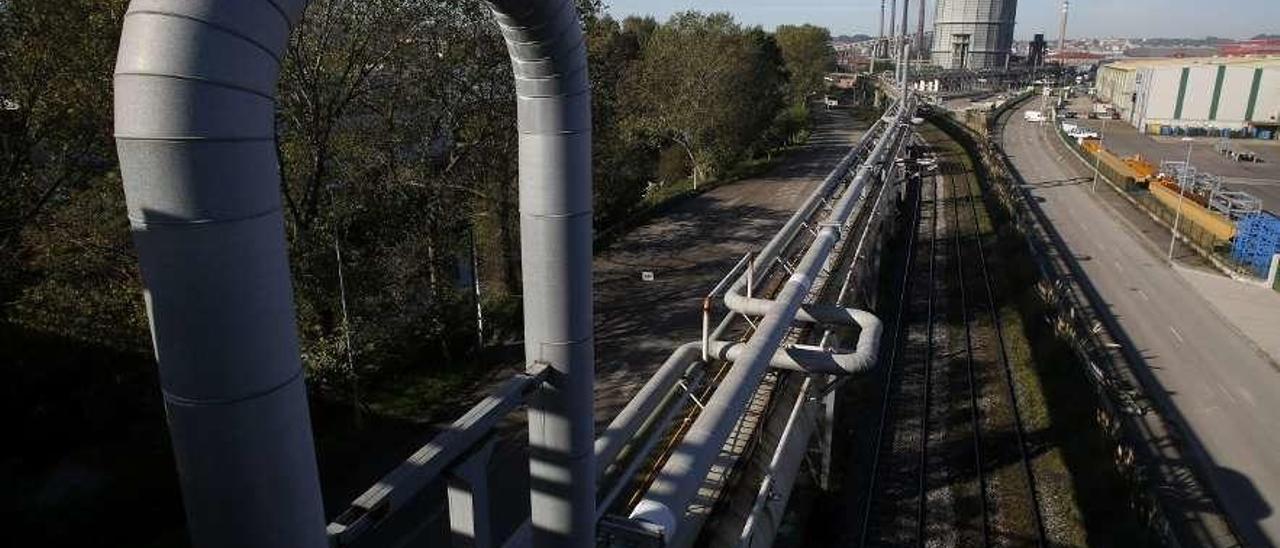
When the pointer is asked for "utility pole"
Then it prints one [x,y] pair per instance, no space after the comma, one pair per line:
[1062,28]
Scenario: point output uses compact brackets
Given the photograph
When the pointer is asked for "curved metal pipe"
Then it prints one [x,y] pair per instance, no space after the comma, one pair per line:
[553,101]
[195,131]
[195,90]
[814,359]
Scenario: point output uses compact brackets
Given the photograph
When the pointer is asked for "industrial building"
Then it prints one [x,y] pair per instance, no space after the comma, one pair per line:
[973,34]
[1201,96]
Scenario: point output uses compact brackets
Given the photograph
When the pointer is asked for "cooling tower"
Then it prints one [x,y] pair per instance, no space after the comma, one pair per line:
[973,34]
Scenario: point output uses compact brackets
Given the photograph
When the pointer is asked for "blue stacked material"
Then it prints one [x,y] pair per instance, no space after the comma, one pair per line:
[1257,240]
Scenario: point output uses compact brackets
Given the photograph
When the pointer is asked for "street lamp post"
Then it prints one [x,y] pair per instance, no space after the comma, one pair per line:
[1186,171]
[1097,157]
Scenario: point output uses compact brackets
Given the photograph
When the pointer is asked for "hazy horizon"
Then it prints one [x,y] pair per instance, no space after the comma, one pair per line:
[1238,19]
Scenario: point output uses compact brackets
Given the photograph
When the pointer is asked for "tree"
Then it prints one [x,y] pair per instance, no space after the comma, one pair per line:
[56,62]
[809,58]
[704,85]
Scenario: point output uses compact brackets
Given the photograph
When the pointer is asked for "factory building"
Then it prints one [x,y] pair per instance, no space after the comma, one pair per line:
[973,34]
[1200,96]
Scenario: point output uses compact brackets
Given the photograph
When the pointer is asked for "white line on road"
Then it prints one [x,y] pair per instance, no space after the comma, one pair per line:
[1247,397]
[1178,335]
[1143,294]
[1118,265]
[1226,392]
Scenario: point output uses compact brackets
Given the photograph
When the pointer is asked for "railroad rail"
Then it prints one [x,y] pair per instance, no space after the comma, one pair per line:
[949,419]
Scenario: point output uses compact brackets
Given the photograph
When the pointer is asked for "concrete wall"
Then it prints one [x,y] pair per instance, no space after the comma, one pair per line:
[1162,93]
[1199,95]
[1236,83]
[1267,109]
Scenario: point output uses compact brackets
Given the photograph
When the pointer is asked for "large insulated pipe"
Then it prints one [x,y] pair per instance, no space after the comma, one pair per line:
[194,110]
[677,484]
[553,98]
[195,88]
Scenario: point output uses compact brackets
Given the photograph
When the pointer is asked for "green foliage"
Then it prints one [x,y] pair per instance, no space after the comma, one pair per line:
[706,85]
[809,58]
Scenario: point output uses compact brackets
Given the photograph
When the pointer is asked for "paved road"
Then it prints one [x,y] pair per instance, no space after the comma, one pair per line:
[1221,387]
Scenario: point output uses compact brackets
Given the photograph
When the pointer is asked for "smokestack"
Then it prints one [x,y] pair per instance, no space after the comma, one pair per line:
[880,44]
[920,31]
[893,17]
[1062,28]
[882,19]
[906,11]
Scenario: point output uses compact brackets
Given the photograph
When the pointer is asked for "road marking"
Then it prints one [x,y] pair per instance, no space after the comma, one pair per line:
[1178,335]
[1144,296]
[1226,393]
[1248,398]
[1118,265]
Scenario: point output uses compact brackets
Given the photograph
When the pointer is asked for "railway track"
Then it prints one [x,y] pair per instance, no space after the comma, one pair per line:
[950,466]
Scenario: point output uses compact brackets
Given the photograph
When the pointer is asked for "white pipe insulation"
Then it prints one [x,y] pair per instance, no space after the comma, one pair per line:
[195,101]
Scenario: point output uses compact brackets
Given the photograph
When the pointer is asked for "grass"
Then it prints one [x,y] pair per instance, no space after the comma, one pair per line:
[1084,498]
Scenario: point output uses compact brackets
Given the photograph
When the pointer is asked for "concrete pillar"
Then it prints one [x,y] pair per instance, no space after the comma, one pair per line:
[470,518]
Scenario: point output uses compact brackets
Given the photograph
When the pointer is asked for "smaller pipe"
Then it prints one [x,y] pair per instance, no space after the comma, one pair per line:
[775,473]
[815,359]
[656,429]
[629,420]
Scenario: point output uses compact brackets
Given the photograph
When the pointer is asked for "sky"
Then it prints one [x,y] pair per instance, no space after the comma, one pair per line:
[1089,18]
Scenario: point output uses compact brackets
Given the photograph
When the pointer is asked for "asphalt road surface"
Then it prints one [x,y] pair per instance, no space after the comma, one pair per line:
[1224,390]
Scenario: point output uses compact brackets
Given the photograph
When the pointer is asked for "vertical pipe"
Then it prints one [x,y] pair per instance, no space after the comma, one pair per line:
[195,133]
[194,111]
[545,40]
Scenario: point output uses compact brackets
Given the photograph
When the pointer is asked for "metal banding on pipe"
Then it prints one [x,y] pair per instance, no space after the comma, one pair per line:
[195,91]
[548,57]
[194,121]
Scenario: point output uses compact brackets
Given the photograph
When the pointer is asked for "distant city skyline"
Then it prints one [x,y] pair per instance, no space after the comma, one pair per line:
[1089,18]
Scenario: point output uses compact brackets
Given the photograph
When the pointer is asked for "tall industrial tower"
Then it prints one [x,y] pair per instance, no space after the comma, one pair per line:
[973,34]
[1062,27]
[893,17]
[919,32]
[880,44]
